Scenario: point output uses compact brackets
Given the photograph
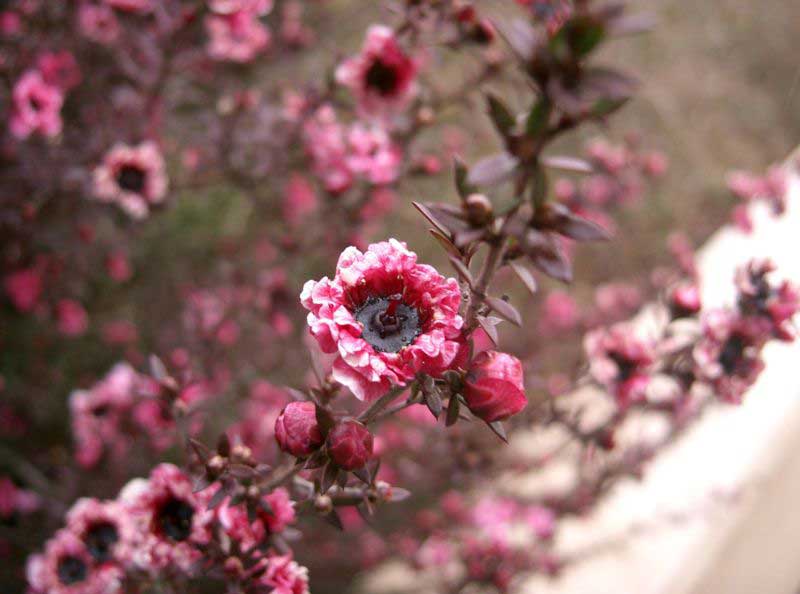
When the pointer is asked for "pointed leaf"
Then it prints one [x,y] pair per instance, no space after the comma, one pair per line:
[445,242]
[460,175]
[157,368]
[433,219]
[200,449]
[538,118]
[363,475]
[462,270]
[490,329]
[498,429]
[452,411]
[433,400]
[493,170]
[573,164]
[217,499]
[505,310]
[334,520]
[525,275]
[329,474]
[501,115]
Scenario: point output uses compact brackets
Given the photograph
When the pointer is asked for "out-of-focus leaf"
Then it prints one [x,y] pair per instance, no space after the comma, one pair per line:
[489,328]
[502,118]
[525,275]
[334,520]
[505,310]
[453,408]
[498,429]
[493,170]
[460,177]
[433,219]
[521,36]
[537,120]
[462,270]
[546,255]
[445,242]
[565,163]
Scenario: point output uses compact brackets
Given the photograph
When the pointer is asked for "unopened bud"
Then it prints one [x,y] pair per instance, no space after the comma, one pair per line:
[479,209]
[323,504]
[242,453]
[425,115]
[216,465]
[233,567]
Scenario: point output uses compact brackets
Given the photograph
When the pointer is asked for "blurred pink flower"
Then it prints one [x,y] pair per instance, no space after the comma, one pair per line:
[36,107]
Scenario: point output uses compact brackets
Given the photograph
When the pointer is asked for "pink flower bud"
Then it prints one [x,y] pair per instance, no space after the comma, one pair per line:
[350,445]
[685,301]
[494,389]
[296,429]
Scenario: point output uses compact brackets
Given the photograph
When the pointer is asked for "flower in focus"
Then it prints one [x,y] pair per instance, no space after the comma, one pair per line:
[67,567]
[350,445]
[386,316]
[382,76]
[494,388]
[132,176]
[171,520]
[36,107]
[620,361]
[296,429]
[728,356]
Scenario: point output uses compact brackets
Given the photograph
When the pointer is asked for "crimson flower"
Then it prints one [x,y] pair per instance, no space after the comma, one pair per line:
[387,317]
[494,387]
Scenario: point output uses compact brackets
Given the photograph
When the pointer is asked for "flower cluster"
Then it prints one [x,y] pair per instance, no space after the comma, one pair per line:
[157,528]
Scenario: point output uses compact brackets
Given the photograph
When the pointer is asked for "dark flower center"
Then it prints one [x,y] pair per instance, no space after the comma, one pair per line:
[174,519]
[101,411]
[382,77]
[100,539]
[131,179]
[71,570]
[731,354]
[388,323]
[36,105]
[625,367]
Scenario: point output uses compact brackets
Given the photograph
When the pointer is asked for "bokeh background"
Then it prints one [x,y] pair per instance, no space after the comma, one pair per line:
[721,90]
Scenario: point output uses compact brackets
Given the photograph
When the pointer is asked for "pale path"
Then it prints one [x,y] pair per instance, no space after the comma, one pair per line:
[718,512]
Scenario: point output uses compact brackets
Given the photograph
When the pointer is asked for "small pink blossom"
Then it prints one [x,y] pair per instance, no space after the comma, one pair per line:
[36,107]
[236,36]
[620,361]
[382,76]
[134,177]
[285,576]
[387,316]
[73,320]
[106,529]
[98,23]
[59,69]
[24,288]
[14,500]
[236,523]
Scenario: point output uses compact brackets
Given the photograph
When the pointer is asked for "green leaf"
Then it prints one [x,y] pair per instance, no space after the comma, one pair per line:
[538,118]
[502,118]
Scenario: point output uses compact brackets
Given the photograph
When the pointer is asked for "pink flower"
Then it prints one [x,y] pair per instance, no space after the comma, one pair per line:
[66,567]
[494,388]
[98,23]
[14,500]
[36,107]
[372,155]
[324,140]
[132,176]
[285,576]
[350,445]
[273,516]
[73,320]
[620,361]
[684,301]
[258,7]
[118,267]
[236,37]
[386,316]
[98,414]
[728,357]
[296,429]
[776,306]
[171,521]
[105,528]
[136,6]
[560,313]
[541,520]
[24,287]
[59,69]
[382,76]
[299,200]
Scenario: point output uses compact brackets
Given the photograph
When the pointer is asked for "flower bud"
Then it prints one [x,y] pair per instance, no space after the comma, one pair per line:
[323,504]
[479,209]
[494,388]
[350,445]
[684,301]
[296,429]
